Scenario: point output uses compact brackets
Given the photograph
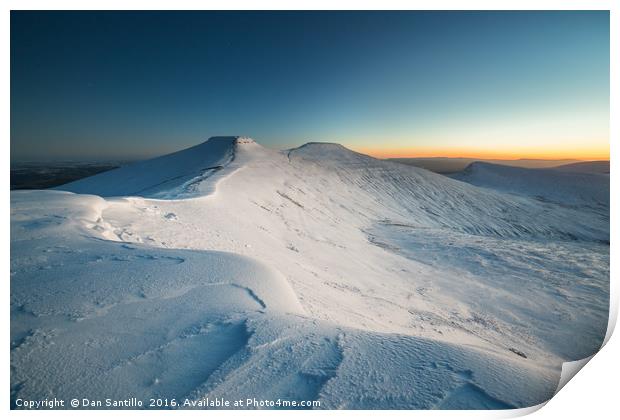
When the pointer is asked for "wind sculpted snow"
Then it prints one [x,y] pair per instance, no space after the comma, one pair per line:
[177,175]
[229,270]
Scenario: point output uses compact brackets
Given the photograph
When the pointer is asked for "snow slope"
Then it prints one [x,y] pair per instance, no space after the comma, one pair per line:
[433,200]
[313,273]
[444,165]
[179,174]
[557,185]
[593,167]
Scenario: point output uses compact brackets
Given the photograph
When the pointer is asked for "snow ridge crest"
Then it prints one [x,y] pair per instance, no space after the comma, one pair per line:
[232,139]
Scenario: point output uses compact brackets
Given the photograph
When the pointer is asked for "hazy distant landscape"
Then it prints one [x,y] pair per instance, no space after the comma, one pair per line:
[41,175]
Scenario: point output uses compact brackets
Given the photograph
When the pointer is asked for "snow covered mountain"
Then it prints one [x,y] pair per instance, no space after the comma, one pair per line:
[232,270]
[592,167]
[558,185]
[175,175]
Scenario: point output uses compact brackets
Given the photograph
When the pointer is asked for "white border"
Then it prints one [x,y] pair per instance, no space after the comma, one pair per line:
[592,395]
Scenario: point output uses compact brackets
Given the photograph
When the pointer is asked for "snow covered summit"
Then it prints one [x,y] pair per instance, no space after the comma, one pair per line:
[176,175]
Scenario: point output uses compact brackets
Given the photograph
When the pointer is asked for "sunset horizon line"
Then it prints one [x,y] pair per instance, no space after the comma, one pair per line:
[502,157]
[409,153]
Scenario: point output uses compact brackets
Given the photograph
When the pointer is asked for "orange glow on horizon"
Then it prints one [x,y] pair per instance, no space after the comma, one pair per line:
[585,154]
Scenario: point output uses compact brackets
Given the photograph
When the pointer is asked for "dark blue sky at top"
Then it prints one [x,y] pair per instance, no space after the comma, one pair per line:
[126,84]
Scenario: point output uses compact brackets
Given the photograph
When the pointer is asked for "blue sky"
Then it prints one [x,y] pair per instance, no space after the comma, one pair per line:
[101,85]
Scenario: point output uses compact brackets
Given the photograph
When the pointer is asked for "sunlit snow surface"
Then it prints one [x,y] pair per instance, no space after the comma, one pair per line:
[234,271]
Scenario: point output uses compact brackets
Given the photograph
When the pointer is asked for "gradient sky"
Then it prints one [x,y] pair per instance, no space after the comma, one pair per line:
[100,85]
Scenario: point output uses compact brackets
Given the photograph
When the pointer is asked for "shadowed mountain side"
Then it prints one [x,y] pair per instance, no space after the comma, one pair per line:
[555,185]
[593,167]
[444,165]
[174,175]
